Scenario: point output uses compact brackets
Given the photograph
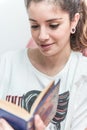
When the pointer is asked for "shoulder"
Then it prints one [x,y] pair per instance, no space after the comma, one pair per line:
[82,60]
[81,63]
[12,55]
[12,59]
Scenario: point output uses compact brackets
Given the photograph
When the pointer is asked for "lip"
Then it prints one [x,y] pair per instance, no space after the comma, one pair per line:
[46,46]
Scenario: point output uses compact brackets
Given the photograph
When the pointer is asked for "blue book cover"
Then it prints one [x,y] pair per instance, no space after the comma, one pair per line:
[45,105]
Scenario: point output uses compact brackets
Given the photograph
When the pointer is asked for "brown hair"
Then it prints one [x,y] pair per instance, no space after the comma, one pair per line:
[78,40]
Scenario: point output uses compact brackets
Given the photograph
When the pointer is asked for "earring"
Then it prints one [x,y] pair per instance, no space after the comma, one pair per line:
[73,30]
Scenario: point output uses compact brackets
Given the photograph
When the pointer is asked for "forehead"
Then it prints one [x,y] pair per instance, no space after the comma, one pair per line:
[42,1]
[46,4]
[44,9]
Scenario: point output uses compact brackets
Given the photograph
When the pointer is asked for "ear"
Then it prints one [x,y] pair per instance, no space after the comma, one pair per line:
[75,20]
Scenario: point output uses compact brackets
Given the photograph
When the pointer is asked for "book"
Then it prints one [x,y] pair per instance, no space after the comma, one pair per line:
[45,105]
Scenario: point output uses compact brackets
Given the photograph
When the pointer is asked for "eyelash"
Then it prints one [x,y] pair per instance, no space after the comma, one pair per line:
[51,26]
[54,26]
[34,26]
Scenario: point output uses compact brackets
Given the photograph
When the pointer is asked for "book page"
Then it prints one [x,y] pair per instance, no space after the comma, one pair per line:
[47,106]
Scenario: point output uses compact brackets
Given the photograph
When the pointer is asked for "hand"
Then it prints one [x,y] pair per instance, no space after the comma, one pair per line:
[39,125]
[84,52]
[4,125]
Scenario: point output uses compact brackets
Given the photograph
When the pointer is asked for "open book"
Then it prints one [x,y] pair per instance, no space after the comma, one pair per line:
[45,105]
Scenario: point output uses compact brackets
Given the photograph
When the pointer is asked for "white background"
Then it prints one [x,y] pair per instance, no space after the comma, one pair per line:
[14,25]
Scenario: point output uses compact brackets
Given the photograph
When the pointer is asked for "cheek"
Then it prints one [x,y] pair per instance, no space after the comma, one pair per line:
[62,33]
[34,34]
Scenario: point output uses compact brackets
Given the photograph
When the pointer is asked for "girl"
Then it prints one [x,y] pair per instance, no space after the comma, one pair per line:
[59,28]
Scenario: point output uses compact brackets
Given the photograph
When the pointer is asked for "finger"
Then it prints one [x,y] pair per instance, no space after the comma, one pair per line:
[84,52]
[4,125]
[39,125]
[1,127]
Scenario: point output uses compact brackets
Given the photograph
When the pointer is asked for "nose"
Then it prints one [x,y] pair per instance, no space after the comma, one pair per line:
[43,34]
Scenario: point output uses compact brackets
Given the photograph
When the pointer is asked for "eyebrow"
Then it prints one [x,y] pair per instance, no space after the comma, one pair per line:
[46,20]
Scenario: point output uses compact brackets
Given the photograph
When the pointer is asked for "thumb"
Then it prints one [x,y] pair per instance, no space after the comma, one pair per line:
[39,125]
[4,125]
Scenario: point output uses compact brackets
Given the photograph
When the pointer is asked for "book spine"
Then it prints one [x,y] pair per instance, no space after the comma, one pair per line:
[16,122]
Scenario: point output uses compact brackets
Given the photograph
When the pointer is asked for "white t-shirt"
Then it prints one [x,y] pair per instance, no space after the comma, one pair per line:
[18,77]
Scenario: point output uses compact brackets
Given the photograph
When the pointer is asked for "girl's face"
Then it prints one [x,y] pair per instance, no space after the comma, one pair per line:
[50,27]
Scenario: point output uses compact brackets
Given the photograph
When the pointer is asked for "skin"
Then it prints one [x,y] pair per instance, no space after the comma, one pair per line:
[38,123]
[48,27]
[84,52]
[4,125]
[51,30]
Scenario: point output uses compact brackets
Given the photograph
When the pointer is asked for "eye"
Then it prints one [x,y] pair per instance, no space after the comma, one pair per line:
[34,26]
[54,26]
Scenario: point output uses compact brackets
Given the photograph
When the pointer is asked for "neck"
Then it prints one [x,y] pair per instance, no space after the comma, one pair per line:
[58,60]
[50,65]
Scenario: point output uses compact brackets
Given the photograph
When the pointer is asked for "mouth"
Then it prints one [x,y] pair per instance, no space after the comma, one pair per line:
[46,46]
